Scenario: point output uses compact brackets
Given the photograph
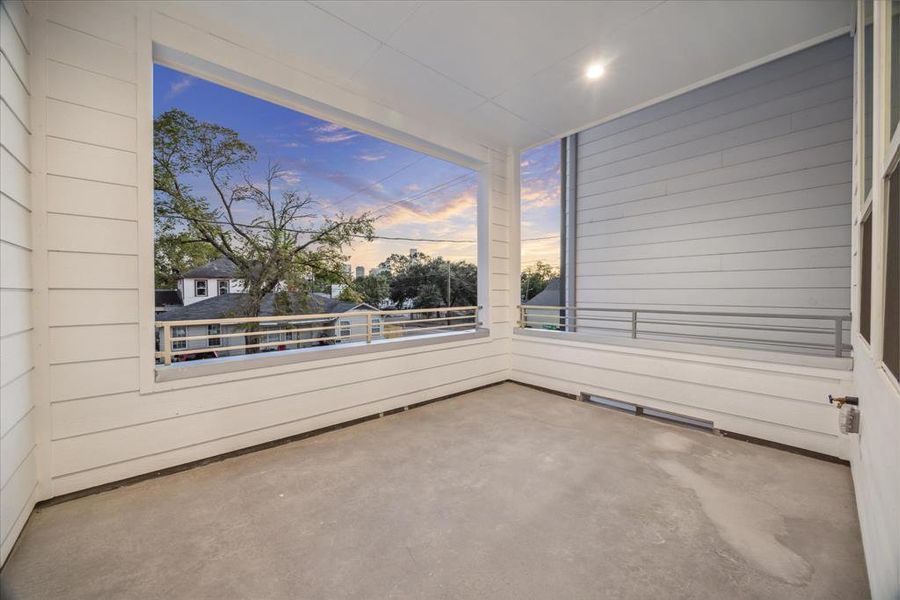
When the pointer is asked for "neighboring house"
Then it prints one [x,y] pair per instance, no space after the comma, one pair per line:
[348,327]
[215,278]
[549,296]
[166,300]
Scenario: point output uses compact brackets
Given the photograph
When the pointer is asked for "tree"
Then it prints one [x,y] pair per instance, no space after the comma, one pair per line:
[174,254]
[287,242]
[535,278]
[349,294]
[426,282]
[372,289]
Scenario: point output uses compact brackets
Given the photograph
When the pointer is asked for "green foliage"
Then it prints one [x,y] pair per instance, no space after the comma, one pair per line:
[535,278]
[372,289]
[348,294]
[423,281]
[175,254]
[288,241]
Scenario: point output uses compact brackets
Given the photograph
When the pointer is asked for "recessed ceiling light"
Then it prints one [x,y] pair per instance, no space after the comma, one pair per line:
[594,71]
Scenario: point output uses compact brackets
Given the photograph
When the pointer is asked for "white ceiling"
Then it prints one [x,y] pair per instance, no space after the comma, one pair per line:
[511,73]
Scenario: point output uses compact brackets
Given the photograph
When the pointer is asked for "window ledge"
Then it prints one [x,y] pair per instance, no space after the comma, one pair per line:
[231,364]
[783,358]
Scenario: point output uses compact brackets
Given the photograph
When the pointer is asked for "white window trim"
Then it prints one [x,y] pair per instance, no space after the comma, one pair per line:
[885,155]
[179,332]
[345,325]
[219,285]
[209,341]
[197,283]
[197,49]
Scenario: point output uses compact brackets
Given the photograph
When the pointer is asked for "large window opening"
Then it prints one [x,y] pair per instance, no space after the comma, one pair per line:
[276,229]
[541,216]
[891,351]
[865,284]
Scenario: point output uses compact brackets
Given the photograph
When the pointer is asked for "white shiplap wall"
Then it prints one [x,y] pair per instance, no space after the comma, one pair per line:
[733,197]
[18,471]
[102,427]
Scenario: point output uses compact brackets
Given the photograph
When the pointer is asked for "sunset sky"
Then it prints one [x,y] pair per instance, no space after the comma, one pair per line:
[412,194]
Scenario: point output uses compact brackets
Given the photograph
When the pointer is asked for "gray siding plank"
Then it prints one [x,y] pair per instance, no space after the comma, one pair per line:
[734,196]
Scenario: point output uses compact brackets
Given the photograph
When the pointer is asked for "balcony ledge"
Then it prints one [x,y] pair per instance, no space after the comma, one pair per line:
[231,364]
[781,358]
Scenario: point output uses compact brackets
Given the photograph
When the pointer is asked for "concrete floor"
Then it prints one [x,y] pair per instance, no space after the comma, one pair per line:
[505,492]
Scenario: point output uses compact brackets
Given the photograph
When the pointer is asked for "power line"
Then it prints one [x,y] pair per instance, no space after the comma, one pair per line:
[308,231]
[382,180]
[546,237]
[436,188]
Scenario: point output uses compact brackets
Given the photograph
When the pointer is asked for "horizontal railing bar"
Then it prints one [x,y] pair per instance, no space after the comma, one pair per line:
[691,312]
[740,339]
[260,332]
[722,324]
[814,330]
[314,316]
[726,338]
[299,342]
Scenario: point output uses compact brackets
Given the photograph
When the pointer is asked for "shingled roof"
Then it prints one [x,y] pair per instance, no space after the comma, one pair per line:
[549,296]
[167,298]
[220,268]
[232,305]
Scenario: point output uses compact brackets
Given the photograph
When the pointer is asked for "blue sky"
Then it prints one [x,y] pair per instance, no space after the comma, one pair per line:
[412,194]
[540,192]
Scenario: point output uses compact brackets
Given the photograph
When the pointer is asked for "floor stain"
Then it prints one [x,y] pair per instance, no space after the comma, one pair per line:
[746,524]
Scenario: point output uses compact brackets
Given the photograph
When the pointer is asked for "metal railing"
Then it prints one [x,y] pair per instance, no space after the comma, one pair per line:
[190,340]
[803,333]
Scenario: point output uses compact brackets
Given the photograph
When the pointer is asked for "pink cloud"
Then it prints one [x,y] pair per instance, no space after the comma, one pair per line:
[331,133]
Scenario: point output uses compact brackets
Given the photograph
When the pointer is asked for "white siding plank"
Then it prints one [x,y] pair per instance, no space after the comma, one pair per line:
[87,234]
[15,223]
[15,311]
[18,500]
[14,93]
[92,307]
[12,47]
[110,21]
[15,180]
[15,266]
[92,271]
[86,161]
[91,198]
[92,342]
[14,136]
[15,402]
[15,447]
[15,357]
[90,89]
[81,124]
[87,52]
[18,15]
[100,378]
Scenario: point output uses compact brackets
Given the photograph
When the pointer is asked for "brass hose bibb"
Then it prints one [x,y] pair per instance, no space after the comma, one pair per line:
[843,400]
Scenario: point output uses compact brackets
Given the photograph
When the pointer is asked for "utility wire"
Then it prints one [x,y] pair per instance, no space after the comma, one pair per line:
[383,179]
[308,231]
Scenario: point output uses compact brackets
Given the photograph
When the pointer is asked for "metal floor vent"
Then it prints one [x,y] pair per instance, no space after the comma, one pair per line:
[644,411]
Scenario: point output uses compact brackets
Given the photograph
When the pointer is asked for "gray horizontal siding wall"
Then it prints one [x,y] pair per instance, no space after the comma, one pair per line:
[732,197]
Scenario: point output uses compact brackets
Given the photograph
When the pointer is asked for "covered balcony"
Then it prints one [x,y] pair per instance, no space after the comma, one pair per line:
[624,320]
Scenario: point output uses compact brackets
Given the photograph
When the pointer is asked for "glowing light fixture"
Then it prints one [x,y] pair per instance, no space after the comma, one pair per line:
[594,71]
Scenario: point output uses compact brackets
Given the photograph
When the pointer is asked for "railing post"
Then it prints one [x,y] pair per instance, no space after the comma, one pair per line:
[166,344]
[634,324]
[838,337]
[368,328]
